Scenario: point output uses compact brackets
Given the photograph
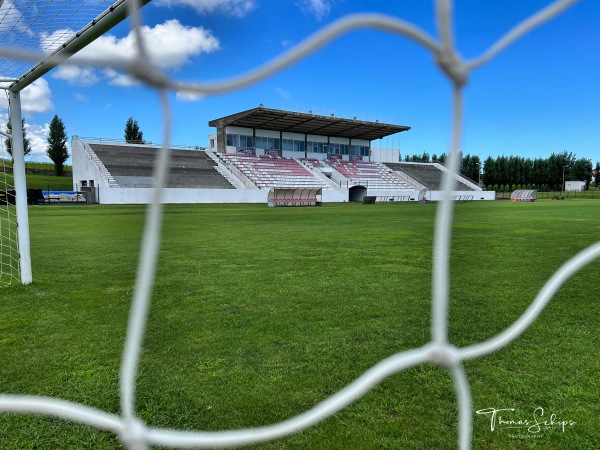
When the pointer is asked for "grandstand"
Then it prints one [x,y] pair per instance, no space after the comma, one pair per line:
[258,151]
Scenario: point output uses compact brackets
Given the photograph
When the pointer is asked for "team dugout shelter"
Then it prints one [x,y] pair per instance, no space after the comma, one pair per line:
[265,131]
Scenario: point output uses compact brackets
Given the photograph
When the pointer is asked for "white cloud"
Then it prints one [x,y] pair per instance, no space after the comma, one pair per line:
[170,46]
[35,98]
[236,8]
[79,76]
[13,19]
[52,41]
[119,79]
[187,96]
[80,97]
[282,92]
[38,140]
[318,8]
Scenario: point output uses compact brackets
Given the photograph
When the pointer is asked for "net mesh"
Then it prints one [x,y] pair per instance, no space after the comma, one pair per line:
[22,29]
[9,247]
[132,431]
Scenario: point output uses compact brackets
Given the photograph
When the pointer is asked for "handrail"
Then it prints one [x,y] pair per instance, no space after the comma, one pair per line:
[146,143]
[102,170]
[459,174]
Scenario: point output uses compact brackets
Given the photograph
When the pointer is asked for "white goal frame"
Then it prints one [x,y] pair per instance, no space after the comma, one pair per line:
[43,64]
[127,425]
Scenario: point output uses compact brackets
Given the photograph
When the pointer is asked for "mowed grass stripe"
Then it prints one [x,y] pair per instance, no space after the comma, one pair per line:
[259,313]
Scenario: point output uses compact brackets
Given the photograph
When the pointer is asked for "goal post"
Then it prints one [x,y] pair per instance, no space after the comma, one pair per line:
[20,186]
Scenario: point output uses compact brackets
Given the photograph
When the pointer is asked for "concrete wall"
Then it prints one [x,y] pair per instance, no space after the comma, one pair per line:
[334,196]
[414,194]
[266,133]
[338,140]
[212,139]
[289,154]
[84,168]
[238,130]
[296,136]
[477,195]
[131,196]
[431,195]
[390,155]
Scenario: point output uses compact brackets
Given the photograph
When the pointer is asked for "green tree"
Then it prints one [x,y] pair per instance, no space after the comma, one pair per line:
[559,164]
[471,165]
[133,134]
[57,145]
[490,176]
[597,175]
[8,141]
[582,171]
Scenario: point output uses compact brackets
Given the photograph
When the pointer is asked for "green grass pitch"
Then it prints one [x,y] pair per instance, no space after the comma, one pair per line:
[260,313]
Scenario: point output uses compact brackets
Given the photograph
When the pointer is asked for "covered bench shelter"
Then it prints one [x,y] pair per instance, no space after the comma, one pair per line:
[524,195]
[282,196]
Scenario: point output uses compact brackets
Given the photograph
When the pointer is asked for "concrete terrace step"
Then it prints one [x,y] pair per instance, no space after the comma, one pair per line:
[134,166]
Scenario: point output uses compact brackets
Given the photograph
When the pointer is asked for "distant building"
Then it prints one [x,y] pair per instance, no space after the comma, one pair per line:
[574,186]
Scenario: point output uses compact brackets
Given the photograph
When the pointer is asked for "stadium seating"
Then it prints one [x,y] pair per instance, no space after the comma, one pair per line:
[271,171]
[132,166]
[427,174]
[313,163]
[370,174]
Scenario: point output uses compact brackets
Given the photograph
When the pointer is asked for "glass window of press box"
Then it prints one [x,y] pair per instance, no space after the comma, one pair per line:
[293,145]
[317,147]
[239,140]
[267,142]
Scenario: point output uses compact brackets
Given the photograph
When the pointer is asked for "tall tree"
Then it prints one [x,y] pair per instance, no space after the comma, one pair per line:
[133,134]
[490,176]
[597,169]
[57,144]
[8,141]
[582,171]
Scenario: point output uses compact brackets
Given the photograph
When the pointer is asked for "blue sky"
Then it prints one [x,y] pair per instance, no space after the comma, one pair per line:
[539,96]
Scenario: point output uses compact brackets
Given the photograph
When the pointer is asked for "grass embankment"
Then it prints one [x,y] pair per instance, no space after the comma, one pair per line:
[258,314]
[42,180]
[38,181]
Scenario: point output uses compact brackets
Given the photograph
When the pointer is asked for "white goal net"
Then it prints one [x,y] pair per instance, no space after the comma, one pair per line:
[9,246]
[127,425]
